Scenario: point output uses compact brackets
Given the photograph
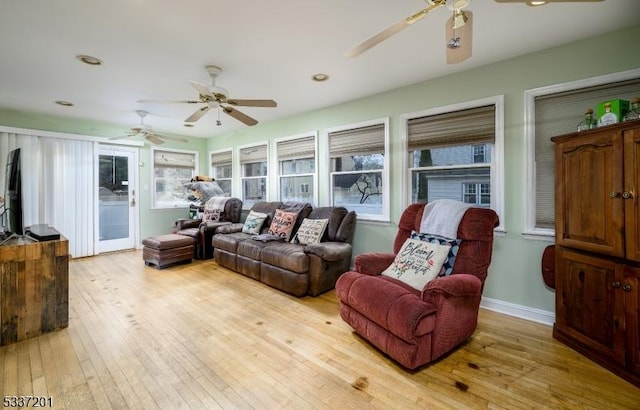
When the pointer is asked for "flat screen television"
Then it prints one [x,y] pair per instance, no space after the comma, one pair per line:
[13,194]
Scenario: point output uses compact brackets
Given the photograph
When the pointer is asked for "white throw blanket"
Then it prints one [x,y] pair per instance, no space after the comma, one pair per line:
[216,202]
[442,217]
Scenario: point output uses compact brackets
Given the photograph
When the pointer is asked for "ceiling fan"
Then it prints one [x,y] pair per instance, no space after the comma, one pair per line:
[218,98]
[145,130]
[458,27]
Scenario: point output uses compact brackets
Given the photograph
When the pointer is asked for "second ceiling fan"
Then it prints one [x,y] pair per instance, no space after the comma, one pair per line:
[214,97]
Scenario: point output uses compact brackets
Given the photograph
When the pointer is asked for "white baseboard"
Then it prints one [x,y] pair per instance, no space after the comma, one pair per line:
[523,312]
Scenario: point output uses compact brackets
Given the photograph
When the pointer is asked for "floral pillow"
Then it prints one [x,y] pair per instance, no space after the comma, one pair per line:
[254,222]
[447,268]
[283,223]
[310,231]
[211,215]
[417,262]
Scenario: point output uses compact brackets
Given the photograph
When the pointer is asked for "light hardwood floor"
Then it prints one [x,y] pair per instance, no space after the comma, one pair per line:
[199,336]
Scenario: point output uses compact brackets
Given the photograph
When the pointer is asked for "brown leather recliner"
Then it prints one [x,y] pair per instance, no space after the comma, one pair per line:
[202,232]
[416,327]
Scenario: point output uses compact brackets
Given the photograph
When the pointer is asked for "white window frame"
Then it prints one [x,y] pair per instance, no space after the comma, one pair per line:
[241,176]
[233,170]
[385,217]
[314,175]
[153,175]
[530,230]
[497,154]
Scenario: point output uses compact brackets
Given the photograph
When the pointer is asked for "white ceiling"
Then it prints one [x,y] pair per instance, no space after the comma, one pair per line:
[267,50]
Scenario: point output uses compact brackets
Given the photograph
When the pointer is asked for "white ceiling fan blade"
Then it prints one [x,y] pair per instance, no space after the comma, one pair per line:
[153,139]
[252,103]
[198,114]
[201,88]
[240,116]
[391,30]
[460,40]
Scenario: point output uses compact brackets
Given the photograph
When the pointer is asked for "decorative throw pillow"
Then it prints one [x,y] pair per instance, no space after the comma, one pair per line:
[283,223]
[254,222]
[417,262]
[447,267]
[310,231]
[211,215]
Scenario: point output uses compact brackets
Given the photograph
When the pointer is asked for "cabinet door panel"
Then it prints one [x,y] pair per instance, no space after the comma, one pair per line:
[586,303]
[631,291]
[588,171]
[631,179]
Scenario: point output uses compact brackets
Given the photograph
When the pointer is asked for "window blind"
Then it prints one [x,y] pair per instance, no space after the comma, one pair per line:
[174,159]
[557,114]
[256,153]
[296,148]
[221,158]
[464,127]
[357,141]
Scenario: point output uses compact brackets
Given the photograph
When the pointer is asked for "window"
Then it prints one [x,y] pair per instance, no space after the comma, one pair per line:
[478,194]
[297,168]
[479,154]
[557,110]
[455,153]
[172,169]
[358,169]
[222,169]
[254,166]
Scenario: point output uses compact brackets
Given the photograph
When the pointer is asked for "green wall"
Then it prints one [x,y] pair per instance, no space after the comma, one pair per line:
[515,271]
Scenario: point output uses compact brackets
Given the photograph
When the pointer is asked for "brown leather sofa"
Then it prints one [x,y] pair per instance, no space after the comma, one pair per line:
[293,268]
[202,232]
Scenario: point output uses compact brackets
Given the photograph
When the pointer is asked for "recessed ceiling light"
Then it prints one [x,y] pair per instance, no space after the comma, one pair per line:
[320,77]
[89,60]
[64,103]
[536,3]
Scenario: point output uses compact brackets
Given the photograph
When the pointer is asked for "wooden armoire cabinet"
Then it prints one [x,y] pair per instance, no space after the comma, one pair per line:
[598,245]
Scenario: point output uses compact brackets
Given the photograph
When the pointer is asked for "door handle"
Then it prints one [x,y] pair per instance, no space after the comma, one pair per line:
[627,194]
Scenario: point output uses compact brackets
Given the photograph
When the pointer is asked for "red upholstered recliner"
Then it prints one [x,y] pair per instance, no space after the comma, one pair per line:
[416,327]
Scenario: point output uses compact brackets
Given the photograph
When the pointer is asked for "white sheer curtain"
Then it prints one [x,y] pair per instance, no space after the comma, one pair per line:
[58,185]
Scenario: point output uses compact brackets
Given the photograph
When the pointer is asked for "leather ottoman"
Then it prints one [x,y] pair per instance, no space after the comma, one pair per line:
[165,250]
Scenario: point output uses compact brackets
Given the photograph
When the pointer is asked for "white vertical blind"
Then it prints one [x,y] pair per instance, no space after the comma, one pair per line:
[58,185]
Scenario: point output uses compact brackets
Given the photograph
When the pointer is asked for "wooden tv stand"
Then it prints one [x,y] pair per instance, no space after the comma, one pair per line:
[34,289]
